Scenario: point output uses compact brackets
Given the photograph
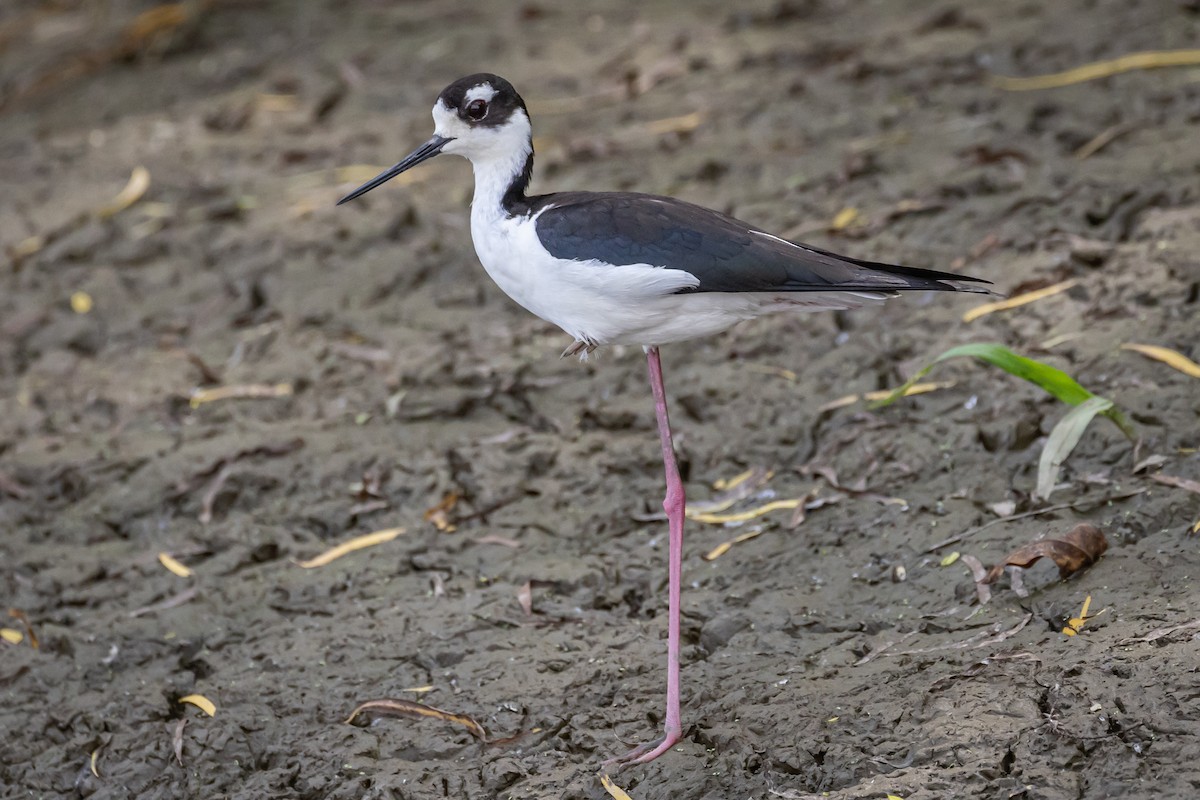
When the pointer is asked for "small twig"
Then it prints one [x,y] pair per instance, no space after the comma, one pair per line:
[172,601]
[879,651]
[1158,633]
[972,642]
[1104,139]
[210,494]
[1073,504]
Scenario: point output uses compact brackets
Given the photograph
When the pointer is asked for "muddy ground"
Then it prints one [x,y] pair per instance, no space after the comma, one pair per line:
[808,669]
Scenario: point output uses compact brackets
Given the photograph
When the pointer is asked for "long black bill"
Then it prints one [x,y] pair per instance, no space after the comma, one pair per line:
[422,153]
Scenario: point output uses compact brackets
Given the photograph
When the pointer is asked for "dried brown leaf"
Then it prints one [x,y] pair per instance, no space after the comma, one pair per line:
[978,574]
[439,514]
[1080,547]
[406,708]
[177,739]
[18,614]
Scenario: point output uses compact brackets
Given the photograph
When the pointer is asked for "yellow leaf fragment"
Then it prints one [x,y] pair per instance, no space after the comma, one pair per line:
[357,543]
[1152,59]
[723,547]
[779,372]
[201,702]
[717,551]
[1075,624]
[916,388]
[743,516]
[844,218]
[92,761]
[681,124]
[11,635]
[1196,527]
[392,707]
[28,246]
[1171,358]
[894,797]
[832,720]
[242,391]
[81,302]
[950,559]
[174,566]
[418,689]
[614,791]
[1020,300]
[1062,338]
[721,484]
[841,402]
[139,182]
[883,394]
[268,101]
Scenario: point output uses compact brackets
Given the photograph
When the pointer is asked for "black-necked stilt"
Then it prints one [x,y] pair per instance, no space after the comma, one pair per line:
[624,268]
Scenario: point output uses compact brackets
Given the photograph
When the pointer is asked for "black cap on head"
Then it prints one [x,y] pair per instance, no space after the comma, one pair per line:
[482,99]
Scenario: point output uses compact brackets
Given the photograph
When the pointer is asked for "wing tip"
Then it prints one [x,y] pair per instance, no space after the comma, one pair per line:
[967,283]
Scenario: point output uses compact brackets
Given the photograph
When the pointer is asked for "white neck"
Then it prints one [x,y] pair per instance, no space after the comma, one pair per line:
[494,175]
[497,154]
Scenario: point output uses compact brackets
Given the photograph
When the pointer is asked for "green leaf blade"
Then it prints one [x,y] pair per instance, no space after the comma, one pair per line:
[1062,440]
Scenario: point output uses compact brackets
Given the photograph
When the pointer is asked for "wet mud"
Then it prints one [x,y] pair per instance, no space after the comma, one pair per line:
[844,655]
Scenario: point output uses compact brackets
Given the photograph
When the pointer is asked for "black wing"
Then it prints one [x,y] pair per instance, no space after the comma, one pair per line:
[725,254]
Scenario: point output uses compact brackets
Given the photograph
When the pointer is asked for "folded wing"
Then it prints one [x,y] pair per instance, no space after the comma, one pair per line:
[723,253]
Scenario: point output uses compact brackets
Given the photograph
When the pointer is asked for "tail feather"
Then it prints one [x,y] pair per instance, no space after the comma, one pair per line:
[916,278]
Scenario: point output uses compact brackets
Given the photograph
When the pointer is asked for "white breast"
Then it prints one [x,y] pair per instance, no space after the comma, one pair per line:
[589,300]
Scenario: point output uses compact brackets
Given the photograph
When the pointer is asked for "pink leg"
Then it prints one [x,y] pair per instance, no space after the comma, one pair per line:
[673,504]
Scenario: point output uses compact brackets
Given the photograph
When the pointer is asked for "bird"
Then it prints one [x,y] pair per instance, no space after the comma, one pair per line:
[634,269]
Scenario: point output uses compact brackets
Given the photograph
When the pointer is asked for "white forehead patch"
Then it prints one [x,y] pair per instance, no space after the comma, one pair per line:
[483,91]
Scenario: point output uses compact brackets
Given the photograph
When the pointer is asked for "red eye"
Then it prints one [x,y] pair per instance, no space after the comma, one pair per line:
[477,109]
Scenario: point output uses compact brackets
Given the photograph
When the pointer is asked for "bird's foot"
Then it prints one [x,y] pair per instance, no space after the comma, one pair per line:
[582,348]
[645,753]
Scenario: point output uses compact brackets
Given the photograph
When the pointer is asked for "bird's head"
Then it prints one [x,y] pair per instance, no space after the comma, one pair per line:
[480,117]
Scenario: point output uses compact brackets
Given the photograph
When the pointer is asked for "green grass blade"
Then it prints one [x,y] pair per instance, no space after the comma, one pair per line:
[1062,440]
[1051,379]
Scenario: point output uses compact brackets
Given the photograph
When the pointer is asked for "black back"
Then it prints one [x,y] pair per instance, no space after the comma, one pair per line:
[725,254]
